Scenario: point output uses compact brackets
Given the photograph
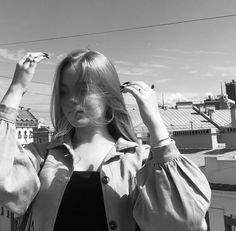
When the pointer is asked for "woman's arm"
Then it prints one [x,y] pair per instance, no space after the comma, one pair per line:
[19,182]
[148,107]
[173,192]
[23,75]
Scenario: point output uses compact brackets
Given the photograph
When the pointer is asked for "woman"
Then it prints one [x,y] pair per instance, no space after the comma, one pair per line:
[94,175]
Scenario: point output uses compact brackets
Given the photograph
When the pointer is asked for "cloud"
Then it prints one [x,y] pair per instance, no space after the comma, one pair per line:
[209,74]
[161,80]
[190,70]
[6,54]
[138,69]
[153,65]
[195,52]
[186,68]
[172,98]
[176,97]
[225,70]
[133,71]
[61,56]
[164,57]
[193,72]
[126,63]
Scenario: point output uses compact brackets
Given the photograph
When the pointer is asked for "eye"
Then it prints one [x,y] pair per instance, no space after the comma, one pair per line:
[63,91]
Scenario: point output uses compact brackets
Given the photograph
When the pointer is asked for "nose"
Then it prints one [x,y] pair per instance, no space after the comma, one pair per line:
[73,101]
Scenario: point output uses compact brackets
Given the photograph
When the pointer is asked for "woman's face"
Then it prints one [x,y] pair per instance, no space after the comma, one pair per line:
[79,115]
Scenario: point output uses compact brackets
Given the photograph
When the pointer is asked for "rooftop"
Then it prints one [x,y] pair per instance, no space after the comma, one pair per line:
[222,117]
[198,156]
[178,119]
[25,115]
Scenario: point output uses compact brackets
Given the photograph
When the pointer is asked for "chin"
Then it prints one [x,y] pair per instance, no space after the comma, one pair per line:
[80,123]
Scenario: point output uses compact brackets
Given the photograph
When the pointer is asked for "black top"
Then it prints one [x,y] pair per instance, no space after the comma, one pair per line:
[82,205]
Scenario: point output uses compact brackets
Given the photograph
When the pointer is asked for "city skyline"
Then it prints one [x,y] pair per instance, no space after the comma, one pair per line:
[185,61]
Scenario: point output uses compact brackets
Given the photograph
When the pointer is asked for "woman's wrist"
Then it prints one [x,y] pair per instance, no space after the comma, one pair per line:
[159,134]
[13,96]
[17,88]
[161,142]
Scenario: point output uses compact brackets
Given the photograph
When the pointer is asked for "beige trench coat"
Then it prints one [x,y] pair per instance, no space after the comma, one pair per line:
[152,188]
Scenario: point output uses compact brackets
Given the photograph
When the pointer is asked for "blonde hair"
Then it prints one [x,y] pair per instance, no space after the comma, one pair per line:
[97,72]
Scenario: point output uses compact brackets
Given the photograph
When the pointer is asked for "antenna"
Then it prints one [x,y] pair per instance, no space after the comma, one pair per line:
[163,101]
[221,90]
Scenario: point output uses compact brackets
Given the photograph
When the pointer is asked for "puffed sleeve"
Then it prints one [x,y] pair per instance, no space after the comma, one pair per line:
[173,193]
[19,182]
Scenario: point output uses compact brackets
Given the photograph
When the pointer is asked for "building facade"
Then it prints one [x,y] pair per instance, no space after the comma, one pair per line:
[220,172]
[231,90]
[26,122]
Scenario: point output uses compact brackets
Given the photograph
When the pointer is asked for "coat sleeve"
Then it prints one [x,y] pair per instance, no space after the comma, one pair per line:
[173,193]
[19,182]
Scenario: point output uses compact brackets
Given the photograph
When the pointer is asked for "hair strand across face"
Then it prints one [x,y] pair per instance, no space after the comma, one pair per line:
[98,75]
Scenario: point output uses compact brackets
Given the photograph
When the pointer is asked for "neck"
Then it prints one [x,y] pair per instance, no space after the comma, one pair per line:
[91,135]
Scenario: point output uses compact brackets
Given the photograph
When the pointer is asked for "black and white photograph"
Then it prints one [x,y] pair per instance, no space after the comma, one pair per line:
[118,115]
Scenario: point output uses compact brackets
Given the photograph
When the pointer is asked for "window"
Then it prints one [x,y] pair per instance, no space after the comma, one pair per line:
[230,223]
[19,135]
[25,134]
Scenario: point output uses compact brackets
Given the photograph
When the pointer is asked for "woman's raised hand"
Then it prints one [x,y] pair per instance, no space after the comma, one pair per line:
[146,99]
[25,70]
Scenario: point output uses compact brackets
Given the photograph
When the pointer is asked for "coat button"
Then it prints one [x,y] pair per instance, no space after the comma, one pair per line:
[105,180]
[112,225]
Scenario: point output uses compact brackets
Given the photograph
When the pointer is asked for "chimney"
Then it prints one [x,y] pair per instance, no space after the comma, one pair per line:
[233,116]
[211,114]
[139,137]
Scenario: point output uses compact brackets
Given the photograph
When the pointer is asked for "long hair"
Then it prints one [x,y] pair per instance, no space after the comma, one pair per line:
[97,72]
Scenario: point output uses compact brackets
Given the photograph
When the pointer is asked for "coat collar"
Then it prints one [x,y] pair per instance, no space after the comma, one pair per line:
[120,146]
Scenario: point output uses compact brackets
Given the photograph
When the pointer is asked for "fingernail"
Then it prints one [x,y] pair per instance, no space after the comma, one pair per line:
[46,55]
[126,83]
[121,88]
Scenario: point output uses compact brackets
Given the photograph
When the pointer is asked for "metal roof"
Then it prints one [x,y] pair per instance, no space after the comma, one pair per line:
[222,117]
[174,119]
[25,115]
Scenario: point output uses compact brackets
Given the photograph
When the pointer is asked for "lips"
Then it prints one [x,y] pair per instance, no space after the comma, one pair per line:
[79,112]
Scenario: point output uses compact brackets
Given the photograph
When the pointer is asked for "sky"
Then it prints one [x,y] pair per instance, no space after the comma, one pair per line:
[185,61]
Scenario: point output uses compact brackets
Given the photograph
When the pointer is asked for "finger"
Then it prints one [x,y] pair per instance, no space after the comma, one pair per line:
[142,90]
[23,59]
[135,92]
[32,64]
[138,85]
[27,62]
[142,85]
[39,59]
[38,54]
[33,56]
